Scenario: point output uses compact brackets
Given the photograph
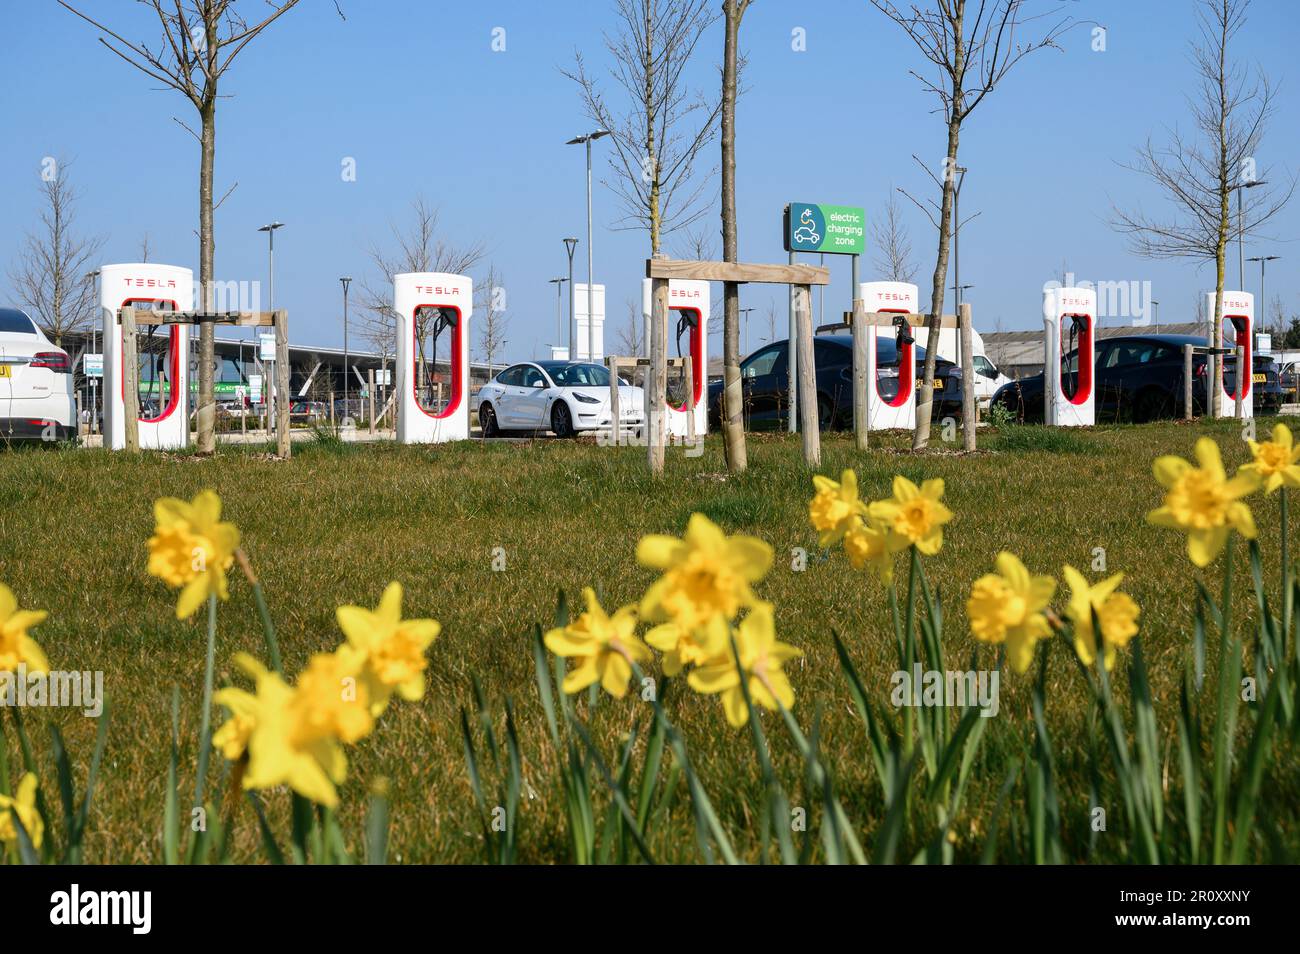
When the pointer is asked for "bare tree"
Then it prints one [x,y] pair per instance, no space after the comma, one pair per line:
[970,56]
[490,316]
[698,246]
[733,426]
[893,258]
[50,277]
[416,248]
[199,41]
[629,333]
[144,247]
[1197,174]
[653,158]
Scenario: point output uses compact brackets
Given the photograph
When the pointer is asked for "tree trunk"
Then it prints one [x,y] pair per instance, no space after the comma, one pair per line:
[733,428]
[925,393]
[206,411]
[651,148]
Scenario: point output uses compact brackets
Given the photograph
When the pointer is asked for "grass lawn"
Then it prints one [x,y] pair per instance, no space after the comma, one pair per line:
[338,522]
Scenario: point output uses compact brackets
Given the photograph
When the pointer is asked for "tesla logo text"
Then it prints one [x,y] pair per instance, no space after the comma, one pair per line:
[684,294]
[150,282]
[436,290]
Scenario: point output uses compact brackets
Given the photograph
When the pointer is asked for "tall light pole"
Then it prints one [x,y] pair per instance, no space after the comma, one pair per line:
[1263,302]
[345,282]
[744,324]
[559,307]
[269,229]
[569,245]
[587,140]
[1155,307]
[1241,261]
[956,235]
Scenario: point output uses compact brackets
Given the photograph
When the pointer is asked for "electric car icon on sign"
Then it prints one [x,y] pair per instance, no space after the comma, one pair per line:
[806,233]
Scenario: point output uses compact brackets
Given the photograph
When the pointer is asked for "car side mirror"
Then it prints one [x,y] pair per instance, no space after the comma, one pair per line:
[537,384]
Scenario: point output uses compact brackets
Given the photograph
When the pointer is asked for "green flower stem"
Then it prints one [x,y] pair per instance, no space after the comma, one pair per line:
[1287,595]
[205,724]
[909,644]
[5,787]
[268,628]
[1226,715]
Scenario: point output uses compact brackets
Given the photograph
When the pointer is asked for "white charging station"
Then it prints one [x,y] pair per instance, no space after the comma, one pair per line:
[1069,324]
[1236,330]
[441,304]
[898,411]
[147,285]
[688,321]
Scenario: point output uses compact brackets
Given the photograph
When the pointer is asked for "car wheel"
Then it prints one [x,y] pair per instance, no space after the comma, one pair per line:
[487,421]
[562,420]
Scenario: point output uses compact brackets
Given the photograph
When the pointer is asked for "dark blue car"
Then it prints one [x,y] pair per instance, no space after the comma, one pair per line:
[1140,378]
[765,380]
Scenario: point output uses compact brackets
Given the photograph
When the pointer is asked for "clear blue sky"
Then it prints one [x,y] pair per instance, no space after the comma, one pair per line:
[413,91]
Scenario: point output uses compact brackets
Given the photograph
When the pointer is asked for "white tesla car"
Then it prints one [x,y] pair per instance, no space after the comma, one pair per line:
[566,397]
[36,400]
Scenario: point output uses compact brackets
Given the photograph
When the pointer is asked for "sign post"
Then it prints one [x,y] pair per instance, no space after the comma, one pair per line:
[815,227]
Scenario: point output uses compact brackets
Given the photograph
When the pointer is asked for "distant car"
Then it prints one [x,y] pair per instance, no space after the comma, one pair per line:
[302,410]
[36,396]
[565,397]
[1140,378]
[766,386]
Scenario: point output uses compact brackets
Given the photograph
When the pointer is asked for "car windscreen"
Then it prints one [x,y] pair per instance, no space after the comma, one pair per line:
[578,375]
[15,323]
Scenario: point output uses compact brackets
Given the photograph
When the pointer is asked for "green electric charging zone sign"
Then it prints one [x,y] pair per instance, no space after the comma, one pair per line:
[839,229]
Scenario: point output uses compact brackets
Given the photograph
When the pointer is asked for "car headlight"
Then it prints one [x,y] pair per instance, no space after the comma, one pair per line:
[587,399]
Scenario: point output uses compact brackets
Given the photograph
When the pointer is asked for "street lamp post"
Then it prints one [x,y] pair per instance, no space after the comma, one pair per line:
[569,245]
[956,262]
[269,229]
[1263,302]
[559,307]
[744,312]
[345,282]
[1155,307]
[587,140]
[1241,261]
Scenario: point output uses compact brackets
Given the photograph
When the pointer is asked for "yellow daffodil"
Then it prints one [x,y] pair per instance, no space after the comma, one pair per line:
[914,514]
[869,546]
[22,804]
[16,646]
[606,645]
[192,549]
[283,745]
[761,658]
[392,648]
[1203,502]
[835,507]
[1277,462]
[330,699]
[1006,607]
[684,647]
[1117,616]
[706,580]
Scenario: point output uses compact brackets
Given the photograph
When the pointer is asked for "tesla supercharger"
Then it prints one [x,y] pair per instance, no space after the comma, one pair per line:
[1236,330]
[147,286]
[899,409]
[688,330]
[438,304]
[1069,324]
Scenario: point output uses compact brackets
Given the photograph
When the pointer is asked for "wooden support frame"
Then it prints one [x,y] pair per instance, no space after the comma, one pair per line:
[799,277]
[132,318]
[613,363]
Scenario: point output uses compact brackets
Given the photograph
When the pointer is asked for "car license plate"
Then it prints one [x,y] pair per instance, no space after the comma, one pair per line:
[4,371]
[1261,378]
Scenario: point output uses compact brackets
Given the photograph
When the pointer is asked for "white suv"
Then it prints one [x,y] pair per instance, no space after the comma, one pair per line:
[36,400]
